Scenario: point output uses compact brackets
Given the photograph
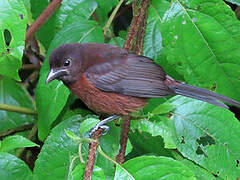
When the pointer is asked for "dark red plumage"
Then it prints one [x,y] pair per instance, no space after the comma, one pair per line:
[112,81]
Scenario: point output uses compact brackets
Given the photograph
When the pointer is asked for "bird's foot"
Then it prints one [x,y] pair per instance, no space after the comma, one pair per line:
[102,125]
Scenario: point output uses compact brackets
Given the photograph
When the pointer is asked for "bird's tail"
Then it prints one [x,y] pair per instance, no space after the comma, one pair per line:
[203,95]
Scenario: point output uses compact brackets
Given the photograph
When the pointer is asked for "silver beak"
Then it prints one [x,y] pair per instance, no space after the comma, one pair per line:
[56,74]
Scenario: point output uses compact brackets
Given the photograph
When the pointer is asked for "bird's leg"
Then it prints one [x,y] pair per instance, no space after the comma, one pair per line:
[102,125]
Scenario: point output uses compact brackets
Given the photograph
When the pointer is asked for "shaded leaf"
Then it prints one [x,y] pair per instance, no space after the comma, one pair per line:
[16,141]
[157,125]
[104,7]
[145,144]
[9,96]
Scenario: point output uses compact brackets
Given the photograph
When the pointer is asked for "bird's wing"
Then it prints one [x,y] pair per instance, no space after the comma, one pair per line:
[136,76]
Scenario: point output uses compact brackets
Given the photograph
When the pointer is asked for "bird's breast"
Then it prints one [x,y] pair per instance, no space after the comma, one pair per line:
[107,103]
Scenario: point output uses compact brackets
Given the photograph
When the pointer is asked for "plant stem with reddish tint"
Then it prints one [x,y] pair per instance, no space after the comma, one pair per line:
[44,16]
[92,154]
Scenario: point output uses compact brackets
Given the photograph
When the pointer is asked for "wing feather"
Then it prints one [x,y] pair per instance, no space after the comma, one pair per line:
[136,76]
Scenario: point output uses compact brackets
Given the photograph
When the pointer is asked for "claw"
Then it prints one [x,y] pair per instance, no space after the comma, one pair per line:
[102,125]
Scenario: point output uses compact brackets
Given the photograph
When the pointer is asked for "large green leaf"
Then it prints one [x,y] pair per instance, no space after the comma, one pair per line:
[151,167]
[59,151]
[208,135]
[200,173]
[69,11]
[13,24]
[201,39]
[153,37]
[14,94]
[82,10]
[13,168]
[51,98]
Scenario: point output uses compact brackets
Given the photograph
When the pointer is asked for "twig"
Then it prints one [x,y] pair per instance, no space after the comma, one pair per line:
[16,130]
[141,34]
[28,67]
[135,24]
[18,109]
[44,16]
[123,142]
[92,154]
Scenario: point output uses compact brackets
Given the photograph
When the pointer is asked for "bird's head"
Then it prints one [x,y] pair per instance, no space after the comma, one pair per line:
[65,63]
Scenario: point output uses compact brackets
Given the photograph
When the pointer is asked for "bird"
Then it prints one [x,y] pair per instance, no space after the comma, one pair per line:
[114,82]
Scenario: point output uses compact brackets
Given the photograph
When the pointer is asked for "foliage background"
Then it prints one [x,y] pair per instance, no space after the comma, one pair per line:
[195,41]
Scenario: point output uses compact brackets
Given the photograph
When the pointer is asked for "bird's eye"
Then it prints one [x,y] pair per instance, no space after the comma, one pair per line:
[67,62]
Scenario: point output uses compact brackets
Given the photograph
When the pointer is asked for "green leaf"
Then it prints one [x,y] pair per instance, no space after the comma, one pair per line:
[164,108]
[71,135]
[16,141]
[152,167]
[143,143]
[13,24]
[51,98]
[88,124]
[65,15]
[153,36]
[199,172]
[157,125]
[104,7]
[83,10]
[208,135]
[201,39]
[13,168]
[58,151]
[13,93]
[117,41]
[78,172]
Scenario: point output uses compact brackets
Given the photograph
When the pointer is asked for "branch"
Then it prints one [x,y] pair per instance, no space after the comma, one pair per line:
[44,16]
[141,34]
[123,142]
[18,109]
[135,25]
[92,154]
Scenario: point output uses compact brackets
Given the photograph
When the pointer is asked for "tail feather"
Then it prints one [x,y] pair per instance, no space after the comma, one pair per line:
[203,95]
